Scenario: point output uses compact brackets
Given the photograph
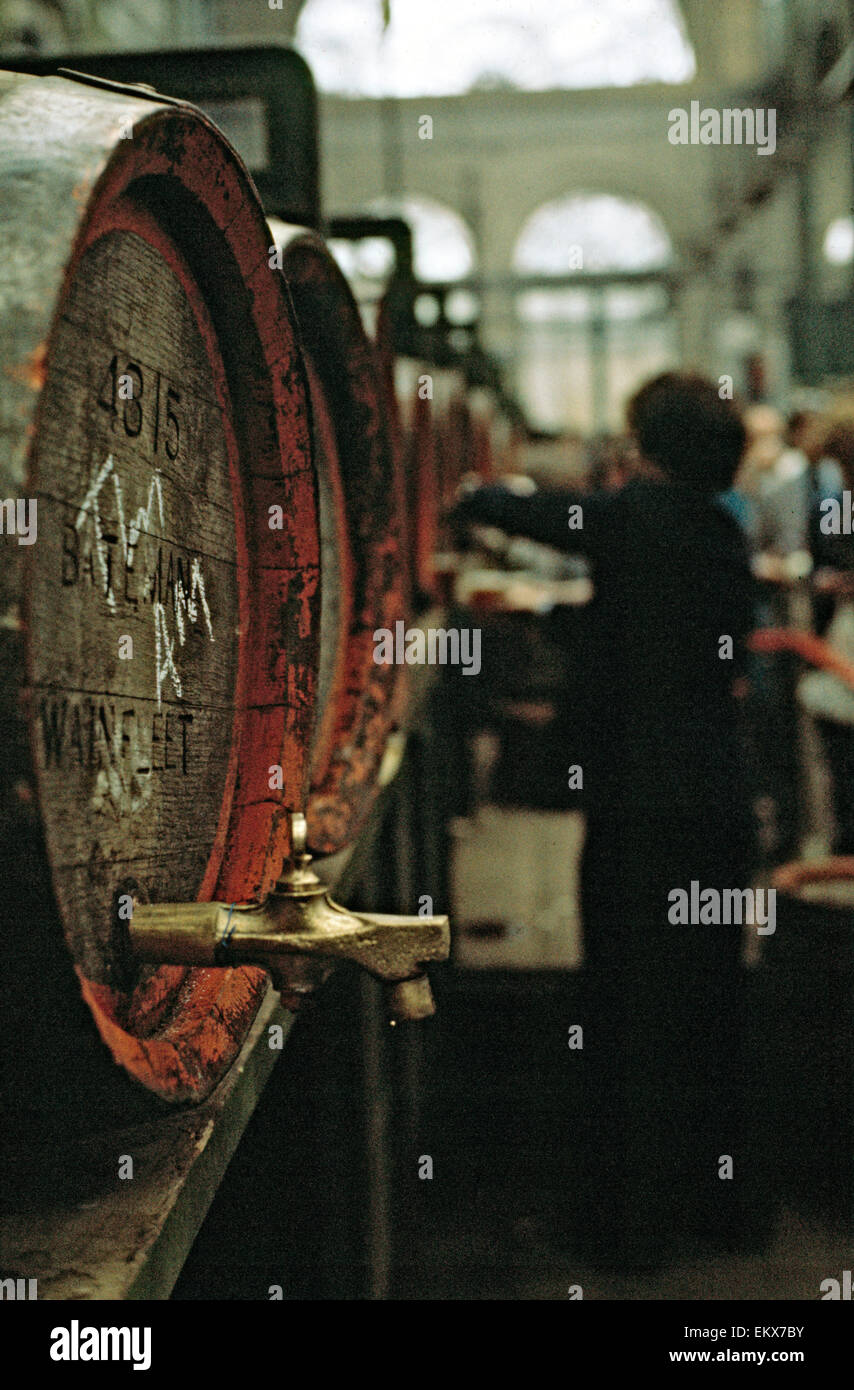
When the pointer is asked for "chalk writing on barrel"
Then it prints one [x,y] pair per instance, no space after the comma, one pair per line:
[189,598]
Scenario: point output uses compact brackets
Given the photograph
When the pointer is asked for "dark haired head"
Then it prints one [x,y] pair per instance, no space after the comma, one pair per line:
[685,429]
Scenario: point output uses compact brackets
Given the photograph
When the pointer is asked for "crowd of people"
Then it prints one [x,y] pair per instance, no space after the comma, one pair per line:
[791,497]
[702,526]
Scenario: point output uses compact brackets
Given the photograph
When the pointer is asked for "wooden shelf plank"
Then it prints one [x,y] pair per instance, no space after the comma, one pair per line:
[131,1240]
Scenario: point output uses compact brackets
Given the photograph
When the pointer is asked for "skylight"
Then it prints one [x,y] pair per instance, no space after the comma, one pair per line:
[447,47]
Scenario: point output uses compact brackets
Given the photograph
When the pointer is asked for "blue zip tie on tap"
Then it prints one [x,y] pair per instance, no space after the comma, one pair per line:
[226,936]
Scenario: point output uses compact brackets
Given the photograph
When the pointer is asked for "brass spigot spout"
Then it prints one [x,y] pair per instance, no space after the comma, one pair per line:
[298,934]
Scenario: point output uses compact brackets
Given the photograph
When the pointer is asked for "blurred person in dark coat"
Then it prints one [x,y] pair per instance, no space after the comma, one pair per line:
[824,695]
[666,805]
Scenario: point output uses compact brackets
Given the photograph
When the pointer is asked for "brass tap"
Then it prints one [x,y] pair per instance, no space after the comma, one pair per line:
[298,934]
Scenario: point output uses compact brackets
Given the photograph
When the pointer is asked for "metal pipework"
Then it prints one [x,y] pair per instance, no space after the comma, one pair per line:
[298,934]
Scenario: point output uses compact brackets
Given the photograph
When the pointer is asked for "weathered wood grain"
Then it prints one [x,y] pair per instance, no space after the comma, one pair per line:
[132,754]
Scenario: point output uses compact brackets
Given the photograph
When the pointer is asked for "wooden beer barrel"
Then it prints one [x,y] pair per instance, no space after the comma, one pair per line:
[336,585]
[364,558]
[482,411]
[410,416]
[452,430]
[160,635]
[418,453]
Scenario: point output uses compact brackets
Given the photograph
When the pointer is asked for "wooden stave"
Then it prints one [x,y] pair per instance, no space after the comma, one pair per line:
[213,1009]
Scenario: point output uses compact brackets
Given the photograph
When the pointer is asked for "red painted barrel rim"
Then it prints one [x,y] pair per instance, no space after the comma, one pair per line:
[322,425]
[484,464]
[415,453]
[345,764]
[423,496]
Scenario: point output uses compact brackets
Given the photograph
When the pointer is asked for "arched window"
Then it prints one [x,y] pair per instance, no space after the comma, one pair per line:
[584,346]
[445,48]
[592,232]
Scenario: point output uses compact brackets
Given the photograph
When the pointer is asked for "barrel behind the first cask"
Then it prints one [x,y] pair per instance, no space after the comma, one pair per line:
[160,633]
[363,557]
